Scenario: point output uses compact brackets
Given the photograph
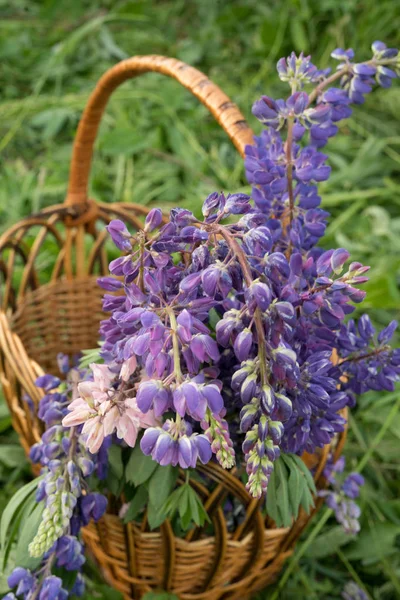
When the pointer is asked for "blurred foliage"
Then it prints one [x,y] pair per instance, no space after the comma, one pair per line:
[157,145]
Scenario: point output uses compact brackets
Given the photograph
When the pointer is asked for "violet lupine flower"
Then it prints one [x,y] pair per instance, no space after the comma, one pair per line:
[49,588]
[368,362]
[222,318]
[174,443]
[267,163]
[341,498]
[284,378]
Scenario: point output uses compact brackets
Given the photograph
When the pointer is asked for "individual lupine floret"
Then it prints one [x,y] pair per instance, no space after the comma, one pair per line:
[120,235]
[69,553]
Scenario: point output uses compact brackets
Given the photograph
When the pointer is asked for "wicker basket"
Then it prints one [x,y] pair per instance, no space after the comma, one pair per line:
[42,315]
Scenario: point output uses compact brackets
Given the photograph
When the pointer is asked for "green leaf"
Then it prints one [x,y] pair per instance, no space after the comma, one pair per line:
[5,418]
[115,461]
[12,456]
[307,500]
[155,516]
[161,484]
[299,35]
[329,542]
[159,596]
[283,492]
[184,502]
[12,535]
[213,318]
[272,498]
[90,356]
[173,502]
[198,512]
[30,522]
[288,488]
[104,592]
[187,502]
[140,467]
[137,504]
[126,140]
[194,509]
[295,485]
[10,513]
[184,509]
[374,543]
[306,472]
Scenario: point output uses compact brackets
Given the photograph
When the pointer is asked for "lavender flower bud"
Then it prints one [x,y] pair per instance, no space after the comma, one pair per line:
[267,399]
[261,294]
[248,388]
[243,344]
[153,220]
[120,235]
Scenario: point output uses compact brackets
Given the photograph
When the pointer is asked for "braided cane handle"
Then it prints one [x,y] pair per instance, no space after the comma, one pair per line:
[220,106]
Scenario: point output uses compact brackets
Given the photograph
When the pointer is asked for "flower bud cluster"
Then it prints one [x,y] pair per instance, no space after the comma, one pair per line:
[216,431]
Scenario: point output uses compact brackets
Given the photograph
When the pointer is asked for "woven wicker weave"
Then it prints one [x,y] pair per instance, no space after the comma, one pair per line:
[50,308]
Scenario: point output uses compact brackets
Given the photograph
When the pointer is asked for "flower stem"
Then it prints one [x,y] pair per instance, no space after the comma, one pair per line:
[46,572]
[320,87]
[141,269]
[241,256]
[289,171]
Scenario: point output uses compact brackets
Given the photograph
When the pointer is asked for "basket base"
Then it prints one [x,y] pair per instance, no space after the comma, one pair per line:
[133,562]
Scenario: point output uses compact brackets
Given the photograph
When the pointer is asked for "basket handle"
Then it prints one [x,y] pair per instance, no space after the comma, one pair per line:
[220,106]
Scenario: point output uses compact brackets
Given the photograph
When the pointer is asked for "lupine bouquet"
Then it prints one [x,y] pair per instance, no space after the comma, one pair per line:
[228,338]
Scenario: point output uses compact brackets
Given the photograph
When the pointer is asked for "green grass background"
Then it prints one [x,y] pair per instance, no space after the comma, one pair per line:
[158,146]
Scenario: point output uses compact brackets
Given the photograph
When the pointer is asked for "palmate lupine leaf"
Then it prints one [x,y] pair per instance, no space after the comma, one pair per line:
[188,504]
[291,486]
